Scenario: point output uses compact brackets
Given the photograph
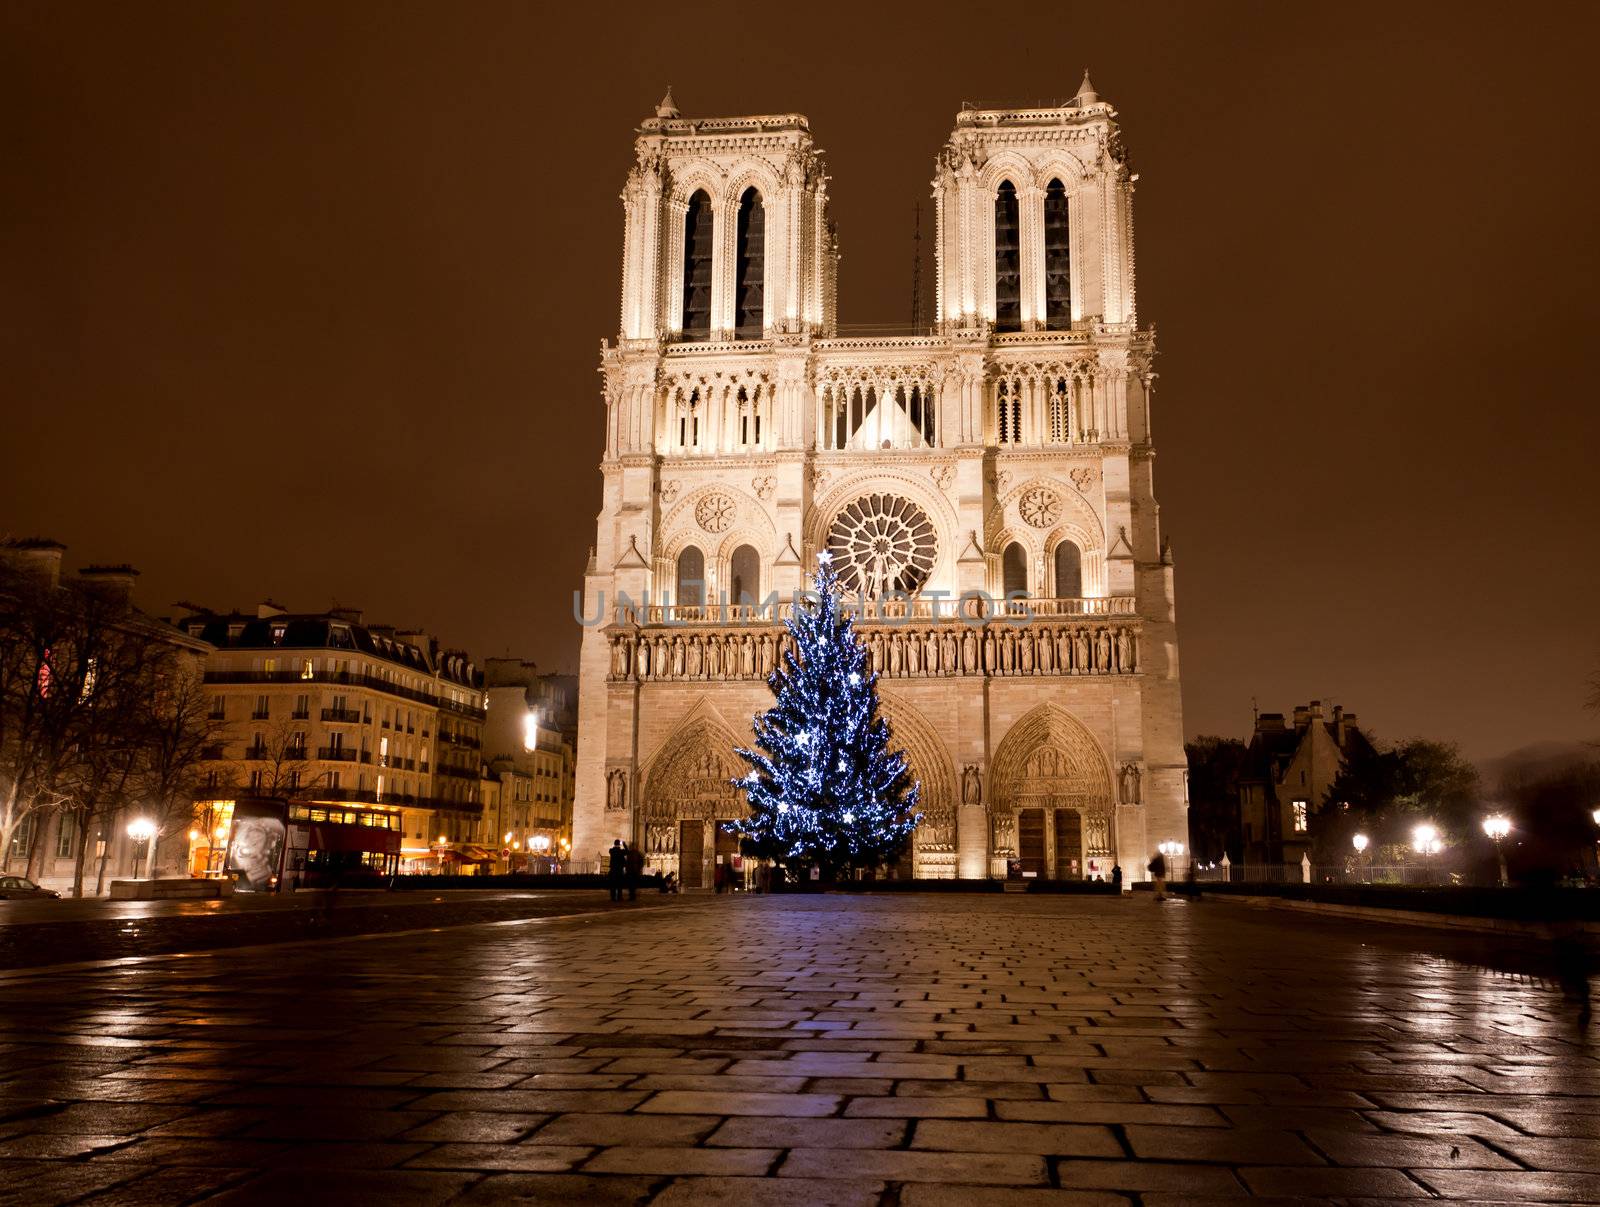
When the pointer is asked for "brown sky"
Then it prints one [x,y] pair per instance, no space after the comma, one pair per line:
[304,300]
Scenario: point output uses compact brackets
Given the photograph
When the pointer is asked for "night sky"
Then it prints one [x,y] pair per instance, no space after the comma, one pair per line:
[304,300]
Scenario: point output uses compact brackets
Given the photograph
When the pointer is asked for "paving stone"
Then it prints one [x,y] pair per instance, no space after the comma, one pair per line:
[751,1132]
[525,1158]
[922,1195]
[917,1108]
[1053,1139]
[1324,1182]
[606,1131]
[392,1188]
[1507,1185]
[898,1166]
[770,1192]
[484,1127]
[681,1160]
[558,1190]
[1403,1152]
[689,1102]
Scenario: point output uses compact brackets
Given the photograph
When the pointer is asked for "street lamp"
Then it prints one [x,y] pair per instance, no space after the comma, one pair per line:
[1497,827]
[1172,851]
[1425,840]
[1360,842]
[141,830]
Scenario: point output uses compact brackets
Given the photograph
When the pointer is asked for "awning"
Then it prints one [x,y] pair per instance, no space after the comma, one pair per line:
[477,855]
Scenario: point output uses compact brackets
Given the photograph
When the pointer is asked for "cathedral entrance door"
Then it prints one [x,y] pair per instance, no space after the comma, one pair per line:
[727,846]
[691,854]
[1069,844]
[1030,841]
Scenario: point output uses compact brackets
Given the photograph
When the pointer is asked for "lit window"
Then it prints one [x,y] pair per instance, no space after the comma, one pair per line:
[1300,819]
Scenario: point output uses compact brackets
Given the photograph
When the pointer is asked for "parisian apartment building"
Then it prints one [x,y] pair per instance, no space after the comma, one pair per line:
[356,724]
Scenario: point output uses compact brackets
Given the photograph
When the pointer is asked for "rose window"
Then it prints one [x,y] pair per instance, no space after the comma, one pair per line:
[1040,507]
[714,513]
[882,544]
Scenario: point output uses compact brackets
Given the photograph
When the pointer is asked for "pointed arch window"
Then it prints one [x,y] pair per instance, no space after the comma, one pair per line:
[750,267]
[691,584]
[1007,260]
[697,268]
[1060,412]
[1014,570]
[1069,571]
[744,576]
[1057,259]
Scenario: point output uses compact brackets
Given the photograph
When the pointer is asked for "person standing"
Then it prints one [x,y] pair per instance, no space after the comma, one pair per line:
[1158,873]
[635,871]
[1116,879]
[617,870]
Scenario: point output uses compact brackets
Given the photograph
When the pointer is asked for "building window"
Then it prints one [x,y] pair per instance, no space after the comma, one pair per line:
[1014,570]
[1061,412]
[66,834]
[744,575]
[750,266]
[1069,571]
[697,268]
[1299,811]
[22,837]
[1057,259]
[1008,413]
[691,577]
[1007,260]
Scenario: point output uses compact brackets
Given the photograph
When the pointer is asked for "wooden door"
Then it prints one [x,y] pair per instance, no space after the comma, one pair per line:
[726,847]
[1030,840]
[691,854]
[1069,844]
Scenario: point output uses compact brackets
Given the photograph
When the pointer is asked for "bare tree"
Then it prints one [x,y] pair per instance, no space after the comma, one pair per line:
[283,762]
[180,731]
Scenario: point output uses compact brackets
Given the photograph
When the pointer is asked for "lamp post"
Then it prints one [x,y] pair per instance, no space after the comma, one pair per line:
[1497,827]
[1172,851]
[1359,842]
[1425,840]
[141,830]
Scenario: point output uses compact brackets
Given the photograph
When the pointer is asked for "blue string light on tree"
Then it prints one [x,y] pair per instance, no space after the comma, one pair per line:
[823,786]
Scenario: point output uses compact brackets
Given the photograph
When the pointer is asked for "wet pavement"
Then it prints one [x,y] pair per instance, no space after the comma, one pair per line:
[833,1050]
[34,933]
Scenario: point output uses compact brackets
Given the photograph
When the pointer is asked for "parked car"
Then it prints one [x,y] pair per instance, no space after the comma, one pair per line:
[15,888]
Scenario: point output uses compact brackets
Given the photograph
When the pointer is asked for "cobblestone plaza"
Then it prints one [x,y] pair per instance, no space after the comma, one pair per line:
[834,1050]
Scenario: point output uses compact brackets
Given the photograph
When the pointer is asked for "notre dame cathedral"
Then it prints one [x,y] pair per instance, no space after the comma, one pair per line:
[985,488]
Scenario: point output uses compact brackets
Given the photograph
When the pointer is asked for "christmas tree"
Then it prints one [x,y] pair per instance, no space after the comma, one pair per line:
[823,786]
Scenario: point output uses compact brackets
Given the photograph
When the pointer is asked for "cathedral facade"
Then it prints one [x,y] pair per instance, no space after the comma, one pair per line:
[984,488]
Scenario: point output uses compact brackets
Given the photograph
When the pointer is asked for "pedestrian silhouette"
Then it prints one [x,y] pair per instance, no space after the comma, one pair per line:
[617,871]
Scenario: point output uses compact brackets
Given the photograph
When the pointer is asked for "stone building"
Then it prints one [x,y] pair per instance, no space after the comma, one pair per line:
[1284,781]
[369,724]
[530,741]
[1007,451]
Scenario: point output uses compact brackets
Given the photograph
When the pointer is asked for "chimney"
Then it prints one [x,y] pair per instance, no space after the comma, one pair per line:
[1338,724]
[111,583]
[34,557]
[1270,722]
[353,615]
[1302,716]
[1316,710]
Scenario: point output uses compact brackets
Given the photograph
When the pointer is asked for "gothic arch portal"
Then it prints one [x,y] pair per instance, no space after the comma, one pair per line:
[935,843]
[1050,762]
[687,789]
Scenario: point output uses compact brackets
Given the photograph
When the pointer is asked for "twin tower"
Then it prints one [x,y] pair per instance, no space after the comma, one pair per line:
[984,486]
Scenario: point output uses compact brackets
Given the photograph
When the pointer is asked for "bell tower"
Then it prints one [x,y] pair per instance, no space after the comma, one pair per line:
[726,232]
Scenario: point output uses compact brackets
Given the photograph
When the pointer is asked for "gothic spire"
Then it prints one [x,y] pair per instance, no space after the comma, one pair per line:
[1086,93]
[667,108]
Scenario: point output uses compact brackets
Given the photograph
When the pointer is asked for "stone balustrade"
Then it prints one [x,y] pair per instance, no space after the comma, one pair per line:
[1002,647]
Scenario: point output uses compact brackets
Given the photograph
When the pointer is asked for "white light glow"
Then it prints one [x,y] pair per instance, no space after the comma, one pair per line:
[530,731]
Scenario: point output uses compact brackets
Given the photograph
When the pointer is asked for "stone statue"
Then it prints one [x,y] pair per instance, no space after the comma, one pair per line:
[1102,652]
[644,659]
[969,651]
[971,785]
[1080,661]
[714,657]
[1026,662]
[1124,652]
[616,789]
[947,653]
[747,656]
[692,666]
[1005,828]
